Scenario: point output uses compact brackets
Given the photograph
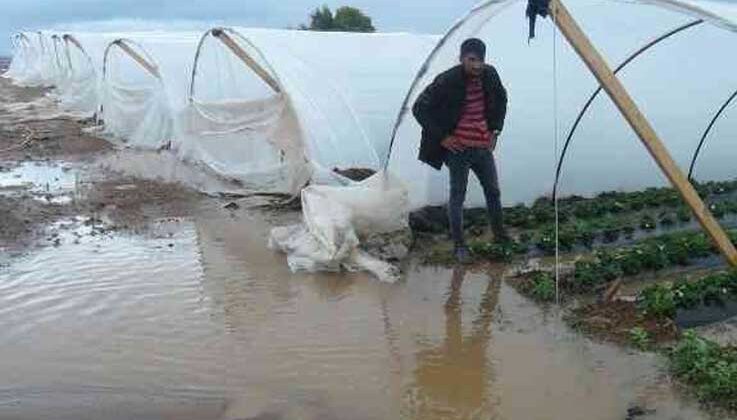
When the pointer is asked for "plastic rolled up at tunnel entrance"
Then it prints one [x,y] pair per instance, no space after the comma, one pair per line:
[22,58]
[30,59]
[143,86]
[49,69]
[678,84]
[300,105]
[83,90]
[78,90]
[59,60]
[278,109]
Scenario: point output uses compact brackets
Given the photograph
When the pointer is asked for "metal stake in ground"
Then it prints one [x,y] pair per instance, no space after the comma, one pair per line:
[626,105]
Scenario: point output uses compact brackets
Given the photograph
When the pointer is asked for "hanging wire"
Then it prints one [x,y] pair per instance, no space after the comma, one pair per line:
[569,138]
[706,133]
[555,157]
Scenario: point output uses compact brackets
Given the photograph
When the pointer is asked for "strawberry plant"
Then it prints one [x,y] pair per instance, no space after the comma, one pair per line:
[631,264]
[647,222]
[497,251]
[654,256]
[639,338]
[650,254]
[708,367]
[587,274]
[666,219]
[628,230]
[665,299]
[684,214]
[586,234]
[543,286]
[718,210]
[658,300]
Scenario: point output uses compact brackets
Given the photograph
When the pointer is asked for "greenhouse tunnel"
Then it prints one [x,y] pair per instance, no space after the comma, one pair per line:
[133,103]
[309,104]
[548,83]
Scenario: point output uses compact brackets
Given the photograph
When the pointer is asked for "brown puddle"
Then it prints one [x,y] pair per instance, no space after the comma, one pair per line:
[198,319]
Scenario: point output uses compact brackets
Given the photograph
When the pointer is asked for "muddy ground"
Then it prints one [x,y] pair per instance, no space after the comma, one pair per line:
[59,149]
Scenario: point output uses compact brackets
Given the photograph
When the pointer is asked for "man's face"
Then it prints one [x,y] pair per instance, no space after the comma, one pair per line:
[473,65]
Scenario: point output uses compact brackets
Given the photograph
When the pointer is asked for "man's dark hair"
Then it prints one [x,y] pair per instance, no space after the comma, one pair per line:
[473,45]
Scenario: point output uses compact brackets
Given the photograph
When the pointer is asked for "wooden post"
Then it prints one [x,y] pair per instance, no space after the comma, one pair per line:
[151,68]
[57,41]
[25,37]
[41,41]
[67,40]
[626,105]
[73,40]
[247,59]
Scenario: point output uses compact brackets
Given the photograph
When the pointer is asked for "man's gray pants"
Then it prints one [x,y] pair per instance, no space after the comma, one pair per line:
[481,162]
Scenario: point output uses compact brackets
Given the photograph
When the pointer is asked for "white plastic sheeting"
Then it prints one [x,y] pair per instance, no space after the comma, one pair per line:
[28,59]
[86,90]
[49,69]
[334,108]
[22,57]
[139,104]
[51,60]
[337,218]
[678,85]
[78,92]
[75,64]
[334,104]
[59,60]
[59,66]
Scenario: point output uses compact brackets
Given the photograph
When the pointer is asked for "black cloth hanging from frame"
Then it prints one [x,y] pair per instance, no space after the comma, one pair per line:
[536,8]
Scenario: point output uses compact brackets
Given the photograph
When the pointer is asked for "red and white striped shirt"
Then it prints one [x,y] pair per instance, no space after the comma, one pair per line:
[472,130]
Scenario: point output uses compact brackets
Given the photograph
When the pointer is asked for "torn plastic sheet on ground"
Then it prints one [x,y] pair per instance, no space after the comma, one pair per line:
[337,219]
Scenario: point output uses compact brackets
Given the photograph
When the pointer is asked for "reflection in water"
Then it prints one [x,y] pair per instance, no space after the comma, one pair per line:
[455,374]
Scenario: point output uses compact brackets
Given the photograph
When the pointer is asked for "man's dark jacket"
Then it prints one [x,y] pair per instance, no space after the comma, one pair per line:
[439,109]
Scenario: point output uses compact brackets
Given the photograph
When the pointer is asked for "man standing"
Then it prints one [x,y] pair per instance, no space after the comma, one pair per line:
[462,114]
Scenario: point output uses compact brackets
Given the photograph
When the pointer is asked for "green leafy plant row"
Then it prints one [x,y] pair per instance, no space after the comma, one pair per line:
[709,368]
[665,299]
[505,251]
[611,228]
[640,338]
[583,233]
[541,286]
[611,203]
[569,236]
[651,254]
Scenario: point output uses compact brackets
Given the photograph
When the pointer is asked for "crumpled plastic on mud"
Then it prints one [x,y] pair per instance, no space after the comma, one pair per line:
[335,217]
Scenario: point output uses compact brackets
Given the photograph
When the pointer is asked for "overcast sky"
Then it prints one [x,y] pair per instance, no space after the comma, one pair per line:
[428,16]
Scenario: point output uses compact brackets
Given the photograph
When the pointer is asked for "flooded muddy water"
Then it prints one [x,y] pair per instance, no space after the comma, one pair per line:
[48,182]
[198,319]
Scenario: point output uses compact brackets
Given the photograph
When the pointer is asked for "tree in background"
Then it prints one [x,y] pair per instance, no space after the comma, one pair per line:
[350,19]
[346,19]
[322,20]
